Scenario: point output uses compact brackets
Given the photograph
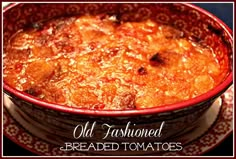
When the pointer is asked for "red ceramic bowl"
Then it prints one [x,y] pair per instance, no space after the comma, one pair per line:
[193,21]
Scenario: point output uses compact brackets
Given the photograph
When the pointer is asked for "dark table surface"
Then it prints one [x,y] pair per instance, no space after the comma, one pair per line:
[224,11]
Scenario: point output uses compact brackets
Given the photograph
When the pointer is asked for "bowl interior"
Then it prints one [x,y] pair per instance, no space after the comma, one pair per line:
[196,24]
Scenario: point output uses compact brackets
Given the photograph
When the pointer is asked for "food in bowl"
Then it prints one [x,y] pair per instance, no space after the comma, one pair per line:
[54,122]
[104,62]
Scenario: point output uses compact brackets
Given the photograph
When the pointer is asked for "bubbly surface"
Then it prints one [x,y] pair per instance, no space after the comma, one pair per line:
[98,62]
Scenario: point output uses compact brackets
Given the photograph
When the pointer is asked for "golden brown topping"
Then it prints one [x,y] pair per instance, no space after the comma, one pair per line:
[103,62]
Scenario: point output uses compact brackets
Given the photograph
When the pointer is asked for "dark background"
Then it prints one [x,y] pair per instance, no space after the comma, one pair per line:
[223,11]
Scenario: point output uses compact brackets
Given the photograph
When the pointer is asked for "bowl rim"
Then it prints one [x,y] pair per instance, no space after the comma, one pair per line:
[146,111]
